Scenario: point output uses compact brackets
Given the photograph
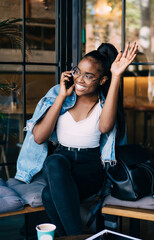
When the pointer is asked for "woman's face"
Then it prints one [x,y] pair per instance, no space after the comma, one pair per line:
[87,77]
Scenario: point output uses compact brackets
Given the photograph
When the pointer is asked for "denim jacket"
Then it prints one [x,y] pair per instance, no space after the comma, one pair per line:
[32,155]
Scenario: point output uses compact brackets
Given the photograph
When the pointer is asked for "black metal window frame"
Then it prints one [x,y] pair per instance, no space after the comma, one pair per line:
[23,63]
[68,31]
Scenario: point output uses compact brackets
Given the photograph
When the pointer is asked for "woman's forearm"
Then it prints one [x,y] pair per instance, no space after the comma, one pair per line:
[43,129]
[109,111]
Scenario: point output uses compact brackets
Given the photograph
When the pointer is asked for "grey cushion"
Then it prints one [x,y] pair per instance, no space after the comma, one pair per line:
[145,203]
[31,193]
[9,199]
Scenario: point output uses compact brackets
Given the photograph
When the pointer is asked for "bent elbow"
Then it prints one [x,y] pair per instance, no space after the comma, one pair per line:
[105,129]
[38,140]
[37,136]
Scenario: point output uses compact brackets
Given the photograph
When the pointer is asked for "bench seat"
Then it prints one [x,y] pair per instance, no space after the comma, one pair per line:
[137,213]
[27,209]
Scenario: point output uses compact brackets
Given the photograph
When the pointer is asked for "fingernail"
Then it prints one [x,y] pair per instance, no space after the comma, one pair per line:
[128,42]
[121,51]
[134,42]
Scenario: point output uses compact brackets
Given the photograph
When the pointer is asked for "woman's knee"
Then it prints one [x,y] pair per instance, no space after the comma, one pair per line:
[55,163]
[46,198]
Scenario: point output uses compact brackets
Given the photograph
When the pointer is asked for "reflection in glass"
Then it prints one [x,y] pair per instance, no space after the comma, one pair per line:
[139,82]
[139,88]
[10,36]
[10,119]
[10,40]
[139,26]
[40,30]
[37,85]
[103,23]
[10,91]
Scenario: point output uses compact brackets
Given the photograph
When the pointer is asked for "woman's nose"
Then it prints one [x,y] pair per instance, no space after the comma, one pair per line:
[81,78]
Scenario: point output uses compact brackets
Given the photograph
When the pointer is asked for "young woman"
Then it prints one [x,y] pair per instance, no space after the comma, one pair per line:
[87,120]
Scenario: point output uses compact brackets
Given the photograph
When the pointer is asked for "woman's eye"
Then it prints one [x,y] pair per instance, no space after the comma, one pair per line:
[77,71]
[89,77]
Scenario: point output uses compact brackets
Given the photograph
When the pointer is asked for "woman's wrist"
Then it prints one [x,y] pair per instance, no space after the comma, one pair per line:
[116,76]
[61,98]
[116,79]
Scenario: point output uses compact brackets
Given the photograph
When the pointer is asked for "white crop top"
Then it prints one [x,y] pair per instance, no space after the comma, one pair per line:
[81,134]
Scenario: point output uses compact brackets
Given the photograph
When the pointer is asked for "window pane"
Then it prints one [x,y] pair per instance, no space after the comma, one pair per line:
[10,88]
[139,106]
[139,27]
[103,23]
[10,120]
[10,30]
[37,85]
[139,88]
[40,31]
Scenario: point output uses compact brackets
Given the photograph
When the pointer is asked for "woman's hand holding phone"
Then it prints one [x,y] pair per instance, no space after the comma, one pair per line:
[66,84]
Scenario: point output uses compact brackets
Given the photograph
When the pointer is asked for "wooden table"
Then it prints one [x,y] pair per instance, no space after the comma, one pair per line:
[77,237]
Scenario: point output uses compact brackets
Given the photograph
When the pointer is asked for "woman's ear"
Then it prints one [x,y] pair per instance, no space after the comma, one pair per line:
[103,80]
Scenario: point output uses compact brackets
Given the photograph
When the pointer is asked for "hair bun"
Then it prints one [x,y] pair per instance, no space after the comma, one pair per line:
[108,51]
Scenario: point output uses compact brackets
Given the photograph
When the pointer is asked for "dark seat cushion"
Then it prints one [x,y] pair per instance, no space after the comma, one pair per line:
[30,193]
[9,199]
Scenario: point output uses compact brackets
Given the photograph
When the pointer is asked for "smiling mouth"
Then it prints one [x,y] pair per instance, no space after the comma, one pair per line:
[79,87]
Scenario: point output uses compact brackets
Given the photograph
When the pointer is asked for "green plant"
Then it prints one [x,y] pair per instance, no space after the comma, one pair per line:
[11,30]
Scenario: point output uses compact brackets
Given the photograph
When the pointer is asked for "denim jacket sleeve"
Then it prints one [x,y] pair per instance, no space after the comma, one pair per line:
[108,143]
[42,107]
[32,155]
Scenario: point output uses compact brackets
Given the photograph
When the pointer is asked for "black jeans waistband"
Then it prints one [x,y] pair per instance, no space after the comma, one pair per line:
[77,149]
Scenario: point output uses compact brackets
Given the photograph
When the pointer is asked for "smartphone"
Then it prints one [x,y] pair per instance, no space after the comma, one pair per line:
[70,82]
[110,235]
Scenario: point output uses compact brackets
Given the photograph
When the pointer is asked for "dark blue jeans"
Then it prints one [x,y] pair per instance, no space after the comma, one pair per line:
[71,176]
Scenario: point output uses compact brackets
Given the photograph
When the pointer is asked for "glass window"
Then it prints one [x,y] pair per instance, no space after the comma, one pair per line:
[10,119]
[139,78]
[22,81]
[103,23]
[35,89]
[139,27]
[11,30]
[40,31]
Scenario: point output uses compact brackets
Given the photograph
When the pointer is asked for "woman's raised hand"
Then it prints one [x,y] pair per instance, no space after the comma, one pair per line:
[124,59]
[65,76]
